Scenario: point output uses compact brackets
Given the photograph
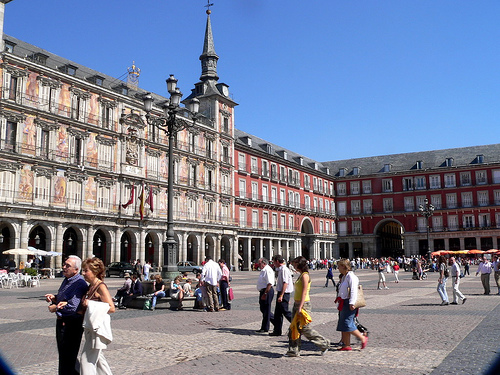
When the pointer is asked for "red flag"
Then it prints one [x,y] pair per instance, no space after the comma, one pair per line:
[141,206]
[131,200]
[150,198]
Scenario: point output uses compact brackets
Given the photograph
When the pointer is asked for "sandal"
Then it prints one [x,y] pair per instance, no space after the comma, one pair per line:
[363,344]
[345,349]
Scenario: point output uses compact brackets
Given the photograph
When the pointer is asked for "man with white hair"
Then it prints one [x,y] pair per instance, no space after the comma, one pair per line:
[66,304]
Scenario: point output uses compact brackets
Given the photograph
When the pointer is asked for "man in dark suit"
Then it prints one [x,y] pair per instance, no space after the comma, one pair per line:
[67,307]
[135,291]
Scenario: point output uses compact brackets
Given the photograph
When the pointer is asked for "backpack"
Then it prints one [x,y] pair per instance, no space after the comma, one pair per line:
[446,272]
[147,305]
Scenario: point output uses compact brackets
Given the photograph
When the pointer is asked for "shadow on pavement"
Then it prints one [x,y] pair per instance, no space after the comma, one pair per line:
[238,331]
[257,353]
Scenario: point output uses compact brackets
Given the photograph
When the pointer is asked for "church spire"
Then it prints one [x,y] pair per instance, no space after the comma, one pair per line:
[209,58]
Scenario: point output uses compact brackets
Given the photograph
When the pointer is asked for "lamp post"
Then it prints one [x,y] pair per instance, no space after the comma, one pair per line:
[170,124]
[427,210]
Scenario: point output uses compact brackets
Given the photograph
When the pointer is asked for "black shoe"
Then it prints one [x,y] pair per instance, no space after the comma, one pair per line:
[261,331]
[275,334]
[463,301]
[453,303]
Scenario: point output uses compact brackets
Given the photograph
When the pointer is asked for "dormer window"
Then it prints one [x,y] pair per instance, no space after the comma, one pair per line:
[122,89]
[418,164]
[449,162]
[285,155]
[342,172]
[9,46]
[480,159]
[387,167]
[98,80]
[39,58]
[355,171]
[301,160]
[269,148]
[69,69]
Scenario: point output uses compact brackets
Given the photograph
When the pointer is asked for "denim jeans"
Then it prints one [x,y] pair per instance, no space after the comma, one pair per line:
[441,289]
[160,294]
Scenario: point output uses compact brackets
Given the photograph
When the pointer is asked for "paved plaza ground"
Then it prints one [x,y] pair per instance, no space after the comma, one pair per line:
[409,332]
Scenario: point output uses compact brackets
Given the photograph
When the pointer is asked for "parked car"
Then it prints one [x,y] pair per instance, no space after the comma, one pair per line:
[119,269]
[188,267]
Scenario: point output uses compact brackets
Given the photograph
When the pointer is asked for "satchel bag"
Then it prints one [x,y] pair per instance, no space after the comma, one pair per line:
[360,300]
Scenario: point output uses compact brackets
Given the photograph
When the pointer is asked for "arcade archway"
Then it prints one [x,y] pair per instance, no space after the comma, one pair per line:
[390,242]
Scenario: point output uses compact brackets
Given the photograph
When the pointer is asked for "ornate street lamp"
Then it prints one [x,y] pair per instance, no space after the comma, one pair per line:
[170,124]
[427,210]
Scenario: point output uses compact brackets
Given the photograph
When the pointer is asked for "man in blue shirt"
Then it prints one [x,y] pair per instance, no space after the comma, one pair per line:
[66,306]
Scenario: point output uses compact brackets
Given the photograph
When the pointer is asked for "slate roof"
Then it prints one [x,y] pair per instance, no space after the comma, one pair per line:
[462,157]
[261,145]
[56,62]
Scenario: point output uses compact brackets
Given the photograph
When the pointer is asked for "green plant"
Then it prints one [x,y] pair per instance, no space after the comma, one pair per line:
[31,271]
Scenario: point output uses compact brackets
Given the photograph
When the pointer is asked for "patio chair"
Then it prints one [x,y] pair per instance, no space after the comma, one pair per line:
[35,281]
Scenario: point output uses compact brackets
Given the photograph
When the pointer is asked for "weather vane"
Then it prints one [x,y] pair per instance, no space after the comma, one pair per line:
[209,4]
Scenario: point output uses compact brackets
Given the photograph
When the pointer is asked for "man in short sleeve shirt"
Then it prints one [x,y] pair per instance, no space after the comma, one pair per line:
[266,293]
[284,286]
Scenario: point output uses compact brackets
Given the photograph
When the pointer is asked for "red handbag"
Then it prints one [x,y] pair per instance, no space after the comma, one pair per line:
[230,294]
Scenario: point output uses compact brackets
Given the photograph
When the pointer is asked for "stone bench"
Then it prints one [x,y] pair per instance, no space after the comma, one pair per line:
[162,303]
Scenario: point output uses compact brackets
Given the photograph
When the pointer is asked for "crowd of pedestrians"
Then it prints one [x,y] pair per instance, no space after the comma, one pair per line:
[83,300]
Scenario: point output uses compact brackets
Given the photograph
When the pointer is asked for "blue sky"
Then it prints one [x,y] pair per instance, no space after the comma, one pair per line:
[329,79]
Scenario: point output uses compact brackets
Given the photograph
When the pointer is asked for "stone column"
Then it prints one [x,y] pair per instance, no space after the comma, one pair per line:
[115,253]
[183,247]
[59,246]
[141,249]
[217,248]
[88,248]
[260,250]
[247,253]
[24,236]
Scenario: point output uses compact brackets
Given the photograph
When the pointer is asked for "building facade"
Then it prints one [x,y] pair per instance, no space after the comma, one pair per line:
[81,171]
[284,202]
[378,202]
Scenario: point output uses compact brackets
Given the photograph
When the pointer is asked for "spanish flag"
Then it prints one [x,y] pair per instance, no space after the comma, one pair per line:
[142,200]
[150,198]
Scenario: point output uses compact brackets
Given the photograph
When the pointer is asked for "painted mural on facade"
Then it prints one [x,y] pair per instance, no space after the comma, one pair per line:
[65,101]
[60,190]
[92,151]
[90,193]
[32,87]
[93,117]
[164,165]
[26,184]
[29,136]
[62,144]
